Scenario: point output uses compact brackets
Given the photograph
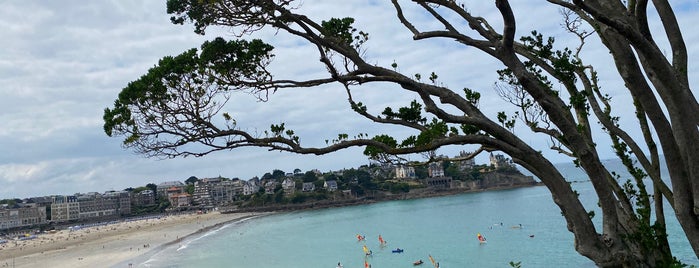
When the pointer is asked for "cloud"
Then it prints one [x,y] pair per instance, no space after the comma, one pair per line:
[61,66]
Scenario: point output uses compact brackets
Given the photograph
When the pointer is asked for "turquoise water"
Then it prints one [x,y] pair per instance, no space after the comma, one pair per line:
[444,227]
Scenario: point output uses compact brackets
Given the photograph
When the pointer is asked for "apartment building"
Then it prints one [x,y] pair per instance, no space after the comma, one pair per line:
[213,192]
[21,215]
[65,208]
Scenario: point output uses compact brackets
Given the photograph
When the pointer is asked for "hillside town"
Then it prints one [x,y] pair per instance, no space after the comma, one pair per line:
[272,191]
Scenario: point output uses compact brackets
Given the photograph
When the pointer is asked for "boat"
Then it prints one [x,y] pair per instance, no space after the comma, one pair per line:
[481,238]
[418,262]
[397,250]
[381,241]
[360,237]
[434,263]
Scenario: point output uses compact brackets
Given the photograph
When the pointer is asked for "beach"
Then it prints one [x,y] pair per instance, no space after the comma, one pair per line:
[111,244]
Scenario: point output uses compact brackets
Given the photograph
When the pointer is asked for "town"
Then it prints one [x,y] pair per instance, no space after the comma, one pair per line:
[277,190]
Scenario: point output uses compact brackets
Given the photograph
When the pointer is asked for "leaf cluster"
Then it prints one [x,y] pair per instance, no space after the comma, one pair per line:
[146,106]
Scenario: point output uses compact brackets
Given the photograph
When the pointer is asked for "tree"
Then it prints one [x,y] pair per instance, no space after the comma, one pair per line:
[267,176]
[278,175]
[309,176]
[152,187]
[191,180]
[174,110]
[452,170]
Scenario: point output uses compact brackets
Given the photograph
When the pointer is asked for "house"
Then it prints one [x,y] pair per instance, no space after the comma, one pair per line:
[161,190]
[499,161]
[250,187]
[308,187]
[270,186]
[331,185]
[181,200]
[405,172]
[466,164]
[435,170]
[174,190]
[289,186]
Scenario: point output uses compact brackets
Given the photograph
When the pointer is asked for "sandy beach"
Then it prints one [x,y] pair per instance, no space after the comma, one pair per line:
[108,245]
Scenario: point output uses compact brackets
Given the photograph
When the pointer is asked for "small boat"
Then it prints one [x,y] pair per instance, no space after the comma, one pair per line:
[397,250]
[418,262]
[481,238]
[434,263]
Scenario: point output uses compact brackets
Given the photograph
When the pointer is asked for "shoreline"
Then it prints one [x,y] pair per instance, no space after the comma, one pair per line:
[113,245]
[129,243]
[136,261]
[414,194]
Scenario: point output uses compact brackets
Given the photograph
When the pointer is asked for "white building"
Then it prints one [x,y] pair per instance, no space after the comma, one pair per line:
[405,172]
[289,186]
[250,187]
[435,170]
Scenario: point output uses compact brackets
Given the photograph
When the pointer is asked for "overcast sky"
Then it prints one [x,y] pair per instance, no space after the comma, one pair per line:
[63,62]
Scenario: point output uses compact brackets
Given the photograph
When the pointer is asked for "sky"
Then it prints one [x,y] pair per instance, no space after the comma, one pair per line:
[63,62]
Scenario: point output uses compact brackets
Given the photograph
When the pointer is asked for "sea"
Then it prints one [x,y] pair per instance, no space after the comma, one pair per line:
[520,225]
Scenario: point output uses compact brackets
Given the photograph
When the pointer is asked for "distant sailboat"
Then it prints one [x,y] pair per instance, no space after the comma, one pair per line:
[481,238]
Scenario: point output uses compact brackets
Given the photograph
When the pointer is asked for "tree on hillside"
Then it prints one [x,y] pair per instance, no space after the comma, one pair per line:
[191,180]
[278,174]
[152,187]
[267,176]
[174,109]
[309,176]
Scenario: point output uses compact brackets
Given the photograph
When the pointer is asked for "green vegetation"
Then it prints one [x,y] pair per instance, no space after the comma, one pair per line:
[553,90]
